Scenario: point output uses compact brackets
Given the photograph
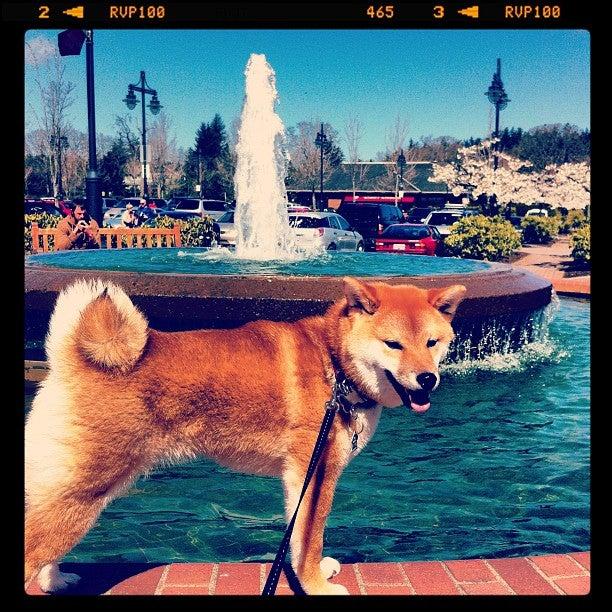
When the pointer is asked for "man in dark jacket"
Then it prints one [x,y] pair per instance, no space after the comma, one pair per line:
[77,231]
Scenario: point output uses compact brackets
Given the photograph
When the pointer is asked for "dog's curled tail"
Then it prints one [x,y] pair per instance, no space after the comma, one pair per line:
[96,321]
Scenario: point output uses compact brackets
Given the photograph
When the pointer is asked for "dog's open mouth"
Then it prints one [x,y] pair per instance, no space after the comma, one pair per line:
[417,400]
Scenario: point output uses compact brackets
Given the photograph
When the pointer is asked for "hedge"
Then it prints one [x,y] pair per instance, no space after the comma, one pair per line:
[481,237]
[539,230]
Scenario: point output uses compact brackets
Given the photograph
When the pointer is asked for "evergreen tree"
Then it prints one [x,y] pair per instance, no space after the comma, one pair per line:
[112,169]
[38,181]
[209,162]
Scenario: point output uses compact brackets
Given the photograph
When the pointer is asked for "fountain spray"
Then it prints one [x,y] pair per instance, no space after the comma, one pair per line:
[261,217]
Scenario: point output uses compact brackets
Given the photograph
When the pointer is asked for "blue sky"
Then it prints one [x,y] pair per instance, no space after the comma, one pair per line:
[434,79]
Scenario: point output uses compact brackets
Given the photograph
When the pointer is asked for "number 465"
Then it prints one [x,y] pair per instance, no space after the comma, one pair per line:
[382,12]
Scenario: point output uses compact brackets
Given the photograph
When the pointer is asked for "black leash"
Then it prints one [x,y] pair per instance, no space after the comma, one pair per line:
[274,575]
[342,387]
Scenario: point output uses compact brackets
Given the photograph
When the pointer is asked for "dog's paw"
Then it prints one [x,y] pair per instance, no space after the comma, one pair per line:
[322,587]
[329,567]
[51,580]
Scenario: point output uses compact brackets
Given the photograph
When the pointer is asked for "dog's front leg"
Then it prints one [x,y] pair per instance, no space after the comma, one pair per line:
[307,538]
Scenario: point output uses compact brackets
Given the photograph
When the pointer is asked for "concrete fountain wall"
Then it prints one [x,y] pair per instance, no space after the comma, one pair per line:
[174,302]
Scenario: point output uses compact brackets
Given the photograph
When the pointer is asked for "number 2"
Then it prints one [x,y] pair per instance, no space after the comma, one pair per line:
[44,12]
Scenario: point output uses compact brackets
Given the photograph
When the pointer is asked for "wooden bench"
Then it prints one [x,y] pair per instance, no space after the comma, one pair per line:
[112,237]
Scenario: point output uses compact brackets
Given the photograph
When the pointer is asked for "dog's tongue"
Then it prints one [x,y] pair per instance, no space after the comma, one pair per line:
[419,407]
[419,401]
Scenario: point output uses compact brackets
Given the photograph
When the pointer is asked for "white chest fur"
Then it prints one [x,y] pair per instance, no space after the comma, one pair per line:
[363,423]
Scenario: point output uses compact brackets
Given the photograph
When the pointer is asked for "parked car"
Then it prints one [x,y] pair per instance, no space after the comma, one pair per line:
[443,219]
[418,214]
[199,206]
[370,219]
[227,230]
[109,203]
[413,238]
[327,230]
[60,204]
[135,202]
[33,207]
[156,203]
[537,212]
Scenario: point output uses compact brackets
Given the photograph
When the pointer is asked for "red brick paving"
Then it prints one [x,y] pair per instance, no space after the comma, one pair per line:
[550,262]
[539,575]
[584,558]
[430,578]
[470,571]
[521,577]
[574,586]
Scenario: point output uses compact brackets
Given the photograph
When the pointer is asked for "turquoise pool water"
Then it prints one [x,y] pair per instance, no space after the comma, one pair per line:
[499,466]
[223,261]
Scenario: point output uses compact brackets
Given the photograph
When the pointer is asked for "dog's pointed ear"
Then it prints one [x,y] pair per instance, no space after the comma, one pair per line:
[360,295]
[446,299]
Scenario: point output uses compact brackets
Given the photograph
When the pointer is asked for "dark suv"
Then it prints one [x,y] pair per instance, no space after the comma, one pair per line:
[370,219]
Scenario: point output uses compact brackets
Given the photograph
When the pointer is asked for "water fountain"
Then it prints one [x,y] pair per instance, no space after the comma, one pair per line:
[499,468]
[195,288]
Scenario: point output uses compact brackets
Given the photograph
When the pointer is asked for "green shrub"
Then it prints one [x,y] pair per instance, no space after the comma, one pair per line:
[195,232]
[574,220]
[480,237]
[580,241]
[539,230]
[43,220]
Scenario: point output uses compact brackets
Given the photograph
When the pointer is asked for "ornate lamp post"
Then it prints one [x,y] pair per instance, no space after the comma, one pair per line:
[499,98]
[131,101]
[323,143]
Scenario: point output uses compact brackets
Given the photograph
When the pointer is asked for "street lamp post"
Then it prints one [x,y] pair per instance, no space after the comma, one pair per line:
[155,106]
[70,42]
[322,142]
[499,98]
[59,143]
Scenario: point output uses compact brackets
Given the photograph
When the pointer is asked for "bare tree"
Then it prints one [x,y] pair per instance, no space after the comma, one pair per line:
[395,142]
[353,132]
[305,156]
[164,154]
[74,162]
[55,96]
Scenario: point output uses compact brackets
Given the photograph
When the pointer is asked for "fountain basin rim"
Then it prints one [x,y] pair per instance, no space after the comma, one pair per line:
[500,288]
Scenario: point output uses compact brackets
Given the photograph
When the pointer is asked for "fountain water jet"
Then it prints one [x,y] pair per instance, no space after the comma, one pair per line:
[261,215]
[502,311]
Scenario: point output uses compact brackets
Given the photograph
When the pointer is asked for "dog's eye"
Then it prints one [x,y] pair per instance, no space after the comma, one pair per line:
[394,345]
[431,343]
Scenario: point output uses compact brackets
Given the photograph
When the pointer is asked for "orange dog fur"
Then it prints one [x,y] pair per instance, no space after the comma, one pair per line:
[122,398]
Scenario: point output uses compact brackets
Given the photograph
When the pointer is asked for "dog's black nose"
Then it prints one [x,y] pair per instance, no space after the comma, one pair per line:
[427,380]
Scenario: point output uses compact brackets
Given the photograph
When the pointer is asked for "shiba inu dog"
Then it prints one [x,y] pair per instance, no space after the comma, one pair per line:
[122,398]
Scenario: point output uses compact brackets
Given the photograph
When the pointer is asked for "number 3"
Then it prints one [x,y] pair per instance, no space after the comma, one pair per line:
[438,12]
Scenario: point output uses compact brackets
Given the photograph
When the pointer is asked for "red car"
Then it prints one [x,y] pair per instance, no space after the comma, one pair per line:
[413,238]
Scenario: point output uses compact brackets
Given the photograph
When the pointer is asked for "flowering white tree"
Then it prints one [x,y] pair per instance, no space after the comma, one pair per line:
[567,185]
[514,180]
[474,173]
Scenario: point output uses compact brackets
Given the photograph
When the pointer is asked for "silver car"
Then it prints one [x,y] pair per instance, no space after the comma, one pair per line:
[325,230]
[227,230]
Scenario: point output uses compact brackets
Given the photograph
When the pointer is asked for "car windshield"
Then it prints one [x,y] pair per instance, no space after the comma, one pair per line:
[419,213]
[214,205]
[443,218]
[307,222]
[187,204]
[228,217]
[406,233]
